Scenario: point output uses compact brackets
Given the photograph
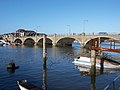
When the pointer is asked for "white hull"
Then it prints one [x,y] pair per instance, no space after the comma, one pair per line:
[24,85]
[22,88]
[87,63]
[3,43]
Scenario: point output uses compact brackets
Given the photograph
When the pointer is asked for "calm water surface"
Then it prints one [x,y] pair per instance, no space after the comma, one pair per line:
[61,72]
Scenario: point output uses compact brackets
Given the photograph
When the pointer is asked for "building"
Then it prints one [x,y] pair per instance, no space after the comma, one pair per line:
[23,32]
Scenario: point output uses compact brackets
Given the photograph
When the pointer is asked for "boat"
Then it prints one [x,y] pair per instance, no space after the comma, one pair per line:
[86,61]
[12,66]
[3,43]
[25,85]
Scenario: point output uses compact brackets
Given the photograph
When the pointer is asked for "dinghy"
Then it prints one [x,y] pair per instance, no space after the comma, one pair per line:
[25,85]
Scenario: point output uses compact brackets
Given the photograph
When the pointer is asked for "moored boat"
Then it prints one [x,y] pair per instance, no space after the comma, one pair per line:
[12,66]
[87,63]
[25,85]
[3,43]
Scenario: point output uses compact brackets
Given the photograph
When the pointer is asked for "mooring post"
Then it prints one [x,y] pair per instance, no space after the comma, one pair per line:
[93,69]
[44,62]
[44,47]
[101,63]
[99,45]
[44,77]
[114,44]
[101,66]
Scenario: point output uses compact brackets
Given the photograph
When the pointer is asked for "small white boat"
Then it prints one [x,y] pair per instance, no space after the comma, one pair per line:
[3,43]
[87,63]
[25,85]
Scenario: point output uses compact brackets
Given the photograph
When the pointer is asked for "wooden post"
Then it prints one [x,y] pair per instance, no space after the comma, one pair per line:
[44,77]
[99,42]
[44,62]
[101,66]
[44,47]
[93,69]
[110,44]
[114,44]
[99,45]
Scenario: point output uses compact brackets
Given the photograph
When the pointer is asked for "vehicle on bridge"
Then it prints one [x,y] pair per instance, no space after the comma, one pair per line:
[103,33]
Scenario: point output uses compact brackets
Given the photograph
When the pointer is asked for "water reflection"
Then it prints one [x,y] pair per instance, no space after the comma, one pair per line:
[44,75]
[93,77]
[11,70]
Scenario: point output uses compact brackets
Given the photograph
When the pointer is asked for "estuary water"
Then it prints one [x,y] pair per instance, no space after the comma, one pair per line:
[61,73]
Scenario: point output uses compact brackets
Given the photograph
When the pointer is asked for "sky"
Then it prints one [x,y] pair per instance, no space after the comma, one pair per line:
[60,16]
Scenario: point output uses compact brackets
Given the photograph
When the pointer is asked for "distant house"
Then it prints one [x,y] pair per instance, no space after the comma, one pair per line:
[20,33]
[23,32]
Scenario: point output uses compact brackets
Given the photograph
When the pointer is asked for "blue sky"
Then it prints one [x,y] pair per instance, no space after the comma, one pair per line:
[54,16]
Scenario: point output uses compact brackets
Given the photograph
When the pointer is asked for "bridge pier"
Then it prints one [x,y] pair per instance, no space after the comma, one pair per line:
[82,45]
[54,44]
[35,44]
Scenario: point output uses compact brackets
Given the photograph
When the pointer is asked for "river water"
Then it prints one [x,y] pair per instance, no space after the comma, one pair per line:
[61,73]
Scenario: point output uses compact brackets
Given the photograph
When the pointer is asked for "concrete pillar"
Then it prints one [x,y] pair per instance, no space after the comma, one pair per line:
[83,40]
[36,39]
[54,41]
[54,44]
[35,44]
[82,45]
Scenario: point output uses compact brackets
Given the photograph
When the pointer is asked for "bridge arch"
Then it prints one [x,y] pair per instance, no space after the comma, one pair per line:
[29,42]
[48,42]
[18,41]
[102,39]
[66,41]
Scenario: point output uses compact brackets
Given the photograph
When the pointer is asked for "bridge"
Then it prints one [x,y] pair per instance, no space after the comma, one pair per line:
[62,40]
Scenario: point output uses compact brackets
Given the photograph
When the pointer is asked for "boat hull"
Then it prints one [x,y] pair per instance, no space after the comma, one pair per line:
[86,62]
[24,85]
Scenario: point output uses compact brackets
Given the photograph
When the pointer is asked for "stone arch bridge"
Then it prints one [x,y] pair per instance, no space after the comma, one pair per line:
[62,40]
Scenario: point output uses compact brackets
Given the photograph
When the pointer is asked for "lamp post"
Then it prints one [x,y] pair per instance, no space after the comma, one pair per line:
[37,29]
[36,35]
[69,29]
[84,21]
